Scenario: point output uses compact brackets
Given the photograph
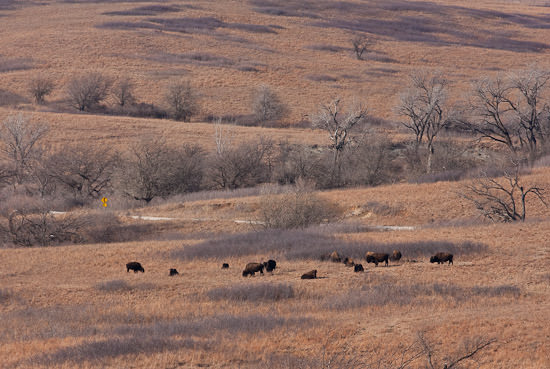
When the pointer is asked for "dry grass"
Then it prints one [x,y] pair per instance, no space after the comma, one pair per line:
[77,306]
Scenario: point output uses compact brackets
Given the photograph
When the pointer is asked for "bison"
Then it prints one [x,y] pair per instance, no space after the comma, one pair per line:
[442,257]
[377,257]
[348,262]
[225,266]
[135,266]
[252,268]
[358,268]
[270,265]
[395,256]
[333,256]
[312,274]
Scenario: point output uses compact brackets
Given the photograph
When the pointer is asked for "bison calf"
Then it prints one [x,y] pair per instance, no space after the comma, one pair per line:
[252,268]
[173,272]
[135,266]
[270,265]
[376,257]
[442,257]
[358,268]
[225,266]
[310,275]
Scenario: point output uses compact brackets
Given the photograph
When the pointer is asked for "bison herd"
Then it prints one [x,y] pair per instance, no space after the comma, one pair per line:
[371,257]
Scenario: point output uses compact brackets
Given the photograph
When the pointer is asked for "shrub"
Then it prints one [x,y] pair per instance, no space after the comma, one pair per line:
[88,91]
[253,292]
[182,100]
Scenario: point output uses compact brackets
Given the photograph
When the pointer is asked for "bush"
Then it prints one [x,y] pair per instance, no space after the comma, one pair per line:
[253,292]
[299,208]
[182,100]
[88,91]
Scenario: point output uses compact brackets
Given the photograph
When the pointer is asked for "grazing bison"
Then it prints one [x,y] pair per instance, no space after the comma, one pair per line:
[349,262]
[333,256]
[395,256]
[377,257]
[225,266]
[270,265]
[358,268]
[252,268]
[173,272]
[442,257]
[312,274]
[135,266]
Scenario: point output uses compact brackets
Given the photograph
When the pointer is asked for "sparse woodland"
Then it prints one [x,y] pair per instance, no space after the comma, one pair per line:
[328,136]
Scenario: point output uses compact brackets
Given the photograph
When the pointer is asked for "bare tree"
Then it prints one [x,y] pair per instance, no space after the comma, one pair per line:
[40,87]
[503,199]
[182,100]
[85,171]
[424,104]
[511,111]
[88,91]
[341,127]
[20,143]
[471,348]
[360,43]
[267,106]
[123,92]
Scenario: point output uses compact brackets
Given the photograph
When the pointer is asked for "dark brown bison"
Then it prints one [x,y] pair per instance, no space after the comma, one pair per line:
[349,262]
[270,265]
[173,272]
[333,256]
[312,274]
[358,268]
[225,266]
[252,268]
[135,266]
[442,257]
[377,257]
[395,256]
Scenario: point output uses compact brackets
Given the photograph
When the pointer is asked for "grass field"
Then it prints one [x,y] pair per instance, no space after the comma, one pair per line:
[76,306]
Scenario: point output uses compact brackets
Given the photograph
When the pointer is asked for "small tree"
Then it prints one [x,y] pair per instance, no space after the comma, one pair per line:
[19,143]
[360,44]
[88,91]
[123,92]
[424,104]
[340,127]
[39,88]
[503,199]
[267,106]
[182,100]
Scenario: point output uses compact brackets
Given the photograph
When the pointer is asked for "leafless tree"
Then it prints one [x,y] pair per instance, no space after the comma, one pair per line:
[123,92]
[502,199]
[424,105]
[360,43]
[512,111]
[40,87]
[267,105]
[85,171]
[471,348]
[182,100]
[19,143]
[88,91]
[156,170]
[241,166]
[341,127]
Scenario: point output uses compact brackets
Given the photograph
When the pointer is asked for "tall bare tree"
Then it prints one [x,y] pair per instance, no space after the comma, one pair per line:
[424,104]
[341,126]
[20,143]
[513,111]
[504,199]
